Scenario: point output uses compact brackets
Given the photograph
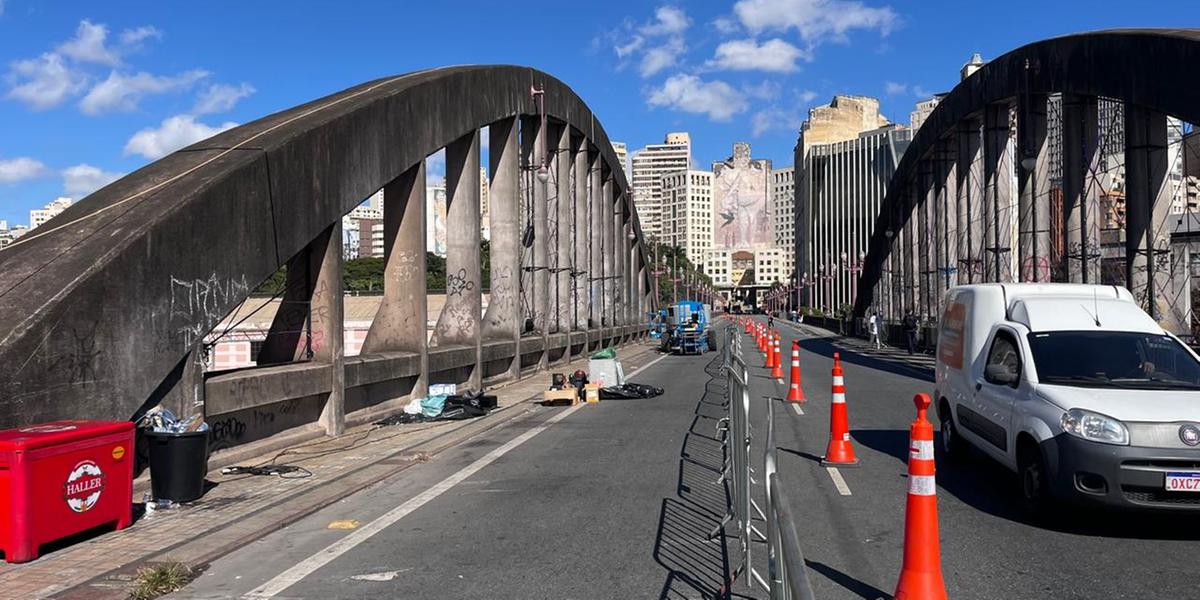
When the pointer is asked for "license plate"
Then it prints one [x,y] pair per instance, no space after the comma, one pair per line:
[1182,482]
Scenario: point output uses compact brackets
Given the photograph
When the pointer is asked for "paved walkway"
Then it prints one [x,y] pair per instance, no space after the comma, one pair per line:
[241,508]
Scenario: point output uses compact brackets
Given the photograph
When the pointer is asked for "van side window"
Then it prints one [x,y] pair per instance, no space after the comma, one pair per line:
[1003,362]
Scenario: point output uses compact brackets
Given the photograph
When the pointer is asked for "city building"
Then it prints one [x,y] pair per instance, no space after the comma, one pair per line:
[744,228]
[972,65]
[622,156]
[435,218]
[842,119]
[38,217]
[840,185]
[922,111]
[783,201]
[648,166]
[687,212]
[485,206]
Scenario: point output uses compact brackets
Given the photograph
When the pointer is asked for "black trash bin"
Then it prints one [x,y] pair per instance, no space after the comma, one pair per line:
[178,464]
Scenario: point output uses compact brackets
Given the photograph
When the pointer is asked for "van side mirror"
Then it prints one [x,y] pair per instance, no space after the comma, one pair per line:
[1000,375]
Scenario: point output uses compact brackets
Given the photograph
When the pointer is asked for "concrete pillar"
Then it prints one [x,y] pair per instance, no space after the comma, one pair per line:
[579,278]
[619,257]
[328,329]
[997,172]
[923,236]
[1033,205]
[968,169]
[503,319]
[606,250]
[595,240]
[912,268]
[459,323]
[400,322]
[1081,194]
[565,205]
[289,337]
[533,134]
[1147,202]
[947,179]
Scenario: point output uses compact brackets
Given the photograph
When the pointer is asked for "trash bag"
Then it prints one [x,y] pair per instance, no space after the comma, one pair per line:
[629,391]
[432,406]
[606,353]
[413,407]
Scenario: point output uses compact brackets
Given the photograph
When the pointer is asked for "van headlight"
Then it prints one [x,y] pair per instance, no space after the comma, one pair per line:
[1095,427]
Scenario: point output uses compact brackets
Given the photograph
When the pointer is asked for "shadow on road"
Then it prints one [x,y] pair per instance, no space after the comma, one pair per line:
[697,567]
[988,486]
[855,586]
[897,367]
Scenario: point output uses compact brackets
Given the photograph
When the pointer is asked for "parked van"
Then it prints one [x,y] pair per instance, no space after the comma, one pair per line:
[1076,389]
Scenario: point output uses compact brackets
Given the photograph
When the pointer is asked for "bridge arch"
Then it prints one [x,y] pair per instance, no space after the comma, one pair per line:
[988,192]
[105,310]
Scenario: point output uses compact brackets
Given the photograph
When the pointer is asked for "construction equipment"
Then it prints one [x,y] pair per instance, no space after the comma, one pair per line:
[689,331]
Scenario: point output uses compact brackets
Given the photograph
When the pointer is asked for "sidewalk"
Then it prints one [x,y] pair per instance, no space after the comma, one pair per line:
[241,508]
[897,356]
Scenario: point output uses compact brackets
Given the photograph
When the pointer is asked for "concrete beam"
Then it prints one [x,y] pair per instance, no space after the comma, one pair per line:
[1033,205]
[1081,191]
[328,330]
[459,322]
[564,210]
[503,319]
[1147,203]
[998,199]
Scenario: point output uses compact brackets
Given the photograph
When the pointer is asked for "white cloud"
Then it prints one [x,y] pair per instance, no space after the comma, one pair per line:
[725,25]
[88,45]
[689,93]
[668,20]
[806,96]
[773,56]
[221,97]
[776,117]
[16,170]
[44,82]
[133,37]
[123,92]
[1,8]
[921,92]
[767,90]
[174,133]
[817,21]
[661,57]
[635,44]
[892,88]
[83,179]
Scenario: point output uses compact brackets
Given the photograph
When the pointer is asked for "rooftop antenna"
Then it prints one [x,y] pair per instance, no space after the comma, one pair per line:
[1095,313]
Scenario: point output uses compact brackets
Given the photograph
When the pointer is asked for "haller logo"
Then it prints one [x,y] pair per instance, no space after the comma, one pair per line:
[83,486]
[1190,434]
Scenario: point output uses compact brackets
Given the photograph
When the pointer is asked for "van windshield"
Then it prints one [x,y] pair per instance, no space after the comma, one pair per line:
[1113,359]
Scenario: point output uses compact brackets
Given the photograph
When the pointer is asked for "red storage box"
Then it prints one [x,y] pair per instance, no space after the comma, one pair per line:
[62,478]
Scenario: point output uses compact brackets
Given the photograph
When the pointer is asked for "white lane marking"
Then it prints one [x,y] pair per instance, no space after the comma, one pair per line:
[838,482]
[327,555]
[796,407]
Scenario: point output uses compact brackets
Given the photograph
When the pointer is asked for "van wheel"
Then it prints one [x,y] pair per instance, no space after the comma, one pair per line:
[1035,489]
[953,446]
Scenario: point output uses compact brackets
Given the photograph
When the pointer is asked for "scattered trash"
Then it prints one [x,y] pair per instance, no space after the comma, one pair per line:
[605,353]
[443,389]
[343,524]
[579,379]
[159,580]
[443,408]
[606,371]
[422,457]
[161,420]
[283,471]
[431,407]
[413,407]
[153,506]
[629,391]
[382,576]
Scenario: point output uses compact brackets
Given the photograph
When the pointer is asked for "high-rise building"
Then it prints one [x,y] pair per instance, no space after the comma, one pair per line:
[972,65]
[485,206]
[783,202]
[922,111]
[842,119]
[839,189]
[622,156]
[38,217]
[435,218]
[648,166]
[687,212]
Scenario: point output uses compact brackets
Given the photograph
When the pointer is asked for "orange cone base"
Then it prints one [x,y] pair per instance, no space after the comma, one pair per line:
[796,394]
[840,453]
[921,586]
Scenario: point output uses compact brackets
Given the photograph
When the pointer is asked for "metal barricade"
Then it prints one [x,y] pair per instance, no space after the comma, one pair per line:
[786,574]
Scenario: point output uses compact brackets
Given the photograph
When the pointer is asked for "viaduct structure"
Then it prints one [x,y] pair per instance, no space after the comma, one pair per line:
[1050,163]
[104,311]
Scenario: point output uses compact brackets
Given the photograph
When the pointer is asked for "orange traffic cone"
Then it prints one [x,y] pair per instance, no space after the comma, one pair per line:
[796,393]
[762,338]
[776,366]
[769,361]
[840,451]
[921,573]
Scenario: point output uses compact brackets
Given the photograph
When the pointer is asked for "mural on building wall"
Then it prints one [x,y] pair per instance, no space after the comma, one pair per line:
[741,217]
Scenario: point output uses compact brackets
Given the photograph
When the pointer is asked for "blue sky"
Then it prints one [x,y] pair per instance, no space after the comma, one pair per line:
[91,90]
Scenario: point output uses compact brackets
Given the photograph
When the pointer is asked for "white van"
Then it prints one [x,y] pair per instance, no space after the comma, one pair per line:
[1076,389]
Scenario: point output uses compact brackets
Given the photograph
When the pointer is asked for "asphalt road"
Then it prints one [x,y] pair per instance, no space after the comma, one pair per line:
[595,502]
[615,501]
[990,548]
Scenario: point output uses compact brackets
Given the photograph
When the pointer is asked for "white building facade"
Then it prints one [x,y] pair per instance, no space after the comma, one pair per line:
[687,212]
[648,166]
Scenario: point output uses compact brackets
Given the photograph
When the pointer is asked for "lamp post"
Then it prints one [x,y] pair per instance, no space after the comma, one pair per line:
[854,268]
[826,275]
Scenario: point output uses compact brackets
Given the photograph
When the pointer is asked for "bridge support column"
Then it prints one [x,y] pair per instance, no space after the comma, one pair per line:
[579,231]
[1081,196]
[998,202]
[595,227]
[503,318]
[328,329]
[927,242]
[912,267]
[563,306]
[606,251]
[1147,202]
[946,179]
[1034,188]
[537,259]
[400,323]
[459,323]
[969,178]
[620,257]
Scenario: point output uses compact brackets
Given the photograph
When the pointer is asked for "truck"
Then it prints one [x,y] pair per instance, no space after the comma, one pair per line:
[689,329]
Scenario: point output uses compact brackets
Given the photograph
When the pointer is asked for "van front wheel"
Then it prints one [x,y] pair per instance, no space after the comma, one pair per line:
[1035,490]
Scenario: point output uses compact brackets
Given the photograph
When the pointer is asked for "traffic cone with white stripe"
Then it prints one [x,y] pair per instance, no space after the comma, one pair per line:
[777,360]
[762,338]
[796,393]
[840,451]
[921,573]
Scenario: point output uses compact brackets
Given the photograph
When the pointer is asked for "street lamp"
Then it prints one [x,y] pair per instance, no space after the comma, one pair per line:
[854,268]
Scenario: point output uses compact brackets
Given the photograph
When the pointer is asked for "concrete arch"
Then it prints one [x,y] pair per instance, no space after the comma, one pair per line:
[100,307]
[1139,67]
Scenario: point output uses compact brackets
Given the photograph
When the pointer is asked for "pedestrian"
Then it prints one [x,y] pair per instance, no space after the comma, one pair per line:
[771,321]
[873,329]
[910,331]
